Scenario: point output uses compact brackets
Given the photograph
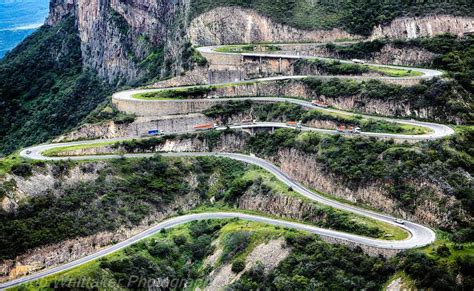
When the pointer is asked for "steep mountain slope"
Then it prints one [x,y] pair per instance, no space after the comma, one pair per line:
[130,42]
[90,48]
[43,87]
[124,40]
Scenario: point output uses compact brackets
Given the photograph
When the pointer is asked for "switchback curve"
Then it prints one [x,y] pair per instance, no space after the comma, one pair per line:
[419,235]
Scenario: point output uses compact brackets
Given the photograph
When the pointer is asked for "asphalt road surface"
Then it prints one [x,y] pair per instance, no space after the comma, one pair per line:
[419,235]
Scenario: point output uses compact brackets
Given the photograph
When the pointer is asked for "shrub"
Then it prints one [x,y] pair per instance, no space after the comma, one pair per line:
[238,266]
[234,243]
[179,240]
[23,170]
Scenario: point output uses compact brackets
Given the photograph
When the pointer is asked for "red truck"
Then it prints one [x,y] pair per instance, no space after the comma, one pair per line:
[350,129]
[296,124]
[205,126]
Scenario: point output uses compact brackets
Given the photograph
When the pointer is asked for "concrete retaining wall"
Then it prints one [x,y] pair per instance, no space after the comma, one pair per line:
[162,108]
[292,88]
[225,68]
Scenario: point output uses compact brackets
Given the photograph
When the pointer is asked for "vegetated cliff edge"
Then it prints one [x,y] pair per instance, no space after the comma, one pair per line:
[129,42]
[126,41]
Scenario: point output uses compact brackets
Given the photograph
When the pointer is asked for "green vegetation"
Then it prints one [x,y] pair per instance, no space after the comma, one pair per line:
[176,256]
[108,112]
[44,90]
[455,55]
[57,151]
[394,72]
[363,161]
[127,191]
[328,67]
[181,93]
[302,66]
[315,265]
[171,257]
[290,112]
[238,266]
[248,48]
[136,190]
[441,266]
[152,63]
[192,57]
[309,268]
[119,21]
[357,17]
[11,161]
[448,100]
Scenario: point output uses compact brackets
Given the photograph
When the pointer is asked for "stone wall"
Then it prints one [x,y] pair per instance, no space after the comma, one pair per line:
[293,88]
[141,126]
[225,68]
[164,108]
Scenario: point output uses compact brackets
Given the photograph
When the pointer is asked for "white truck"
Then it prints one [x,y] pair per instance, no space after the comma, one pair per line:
[357,61]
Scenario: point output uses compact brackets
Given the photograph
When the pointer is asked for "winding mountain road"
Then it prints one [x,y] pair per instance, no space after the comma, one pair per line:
[419,235]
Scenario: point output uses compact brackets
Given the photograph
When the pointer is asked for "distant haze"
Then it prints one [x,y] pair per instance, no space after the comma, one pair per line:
[18,19]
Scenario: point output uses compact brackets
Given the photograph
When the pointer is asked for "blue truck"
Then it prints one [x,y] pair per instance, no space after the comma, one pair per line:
[155,132]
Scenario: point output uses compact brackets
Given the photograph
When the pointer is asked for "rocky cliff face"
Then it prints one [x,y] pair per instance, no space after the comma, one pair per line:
[431,210]
[426,26]
[389,54]
[47,179]
[227,25]
[141,126]
[126,41]
[73,249]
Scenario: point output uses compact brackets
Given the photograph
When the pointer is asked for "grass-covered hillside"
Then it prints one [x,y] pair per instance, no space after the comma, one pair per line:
[356,16]
[187,256]
[409,174]
[254,256]
[454,55]
[125,193]
[44,89]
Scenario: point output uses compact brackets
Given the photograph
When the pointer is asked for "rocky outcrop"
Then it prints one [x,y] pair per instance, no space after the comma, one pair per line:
[73,249]
[59,9]
[196,76]
[228,25]
[281,205]
[389,54]
[425,26]
[269,254]
[124,40]
[405,56]
[433,209]
[47,179]
[225,143]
